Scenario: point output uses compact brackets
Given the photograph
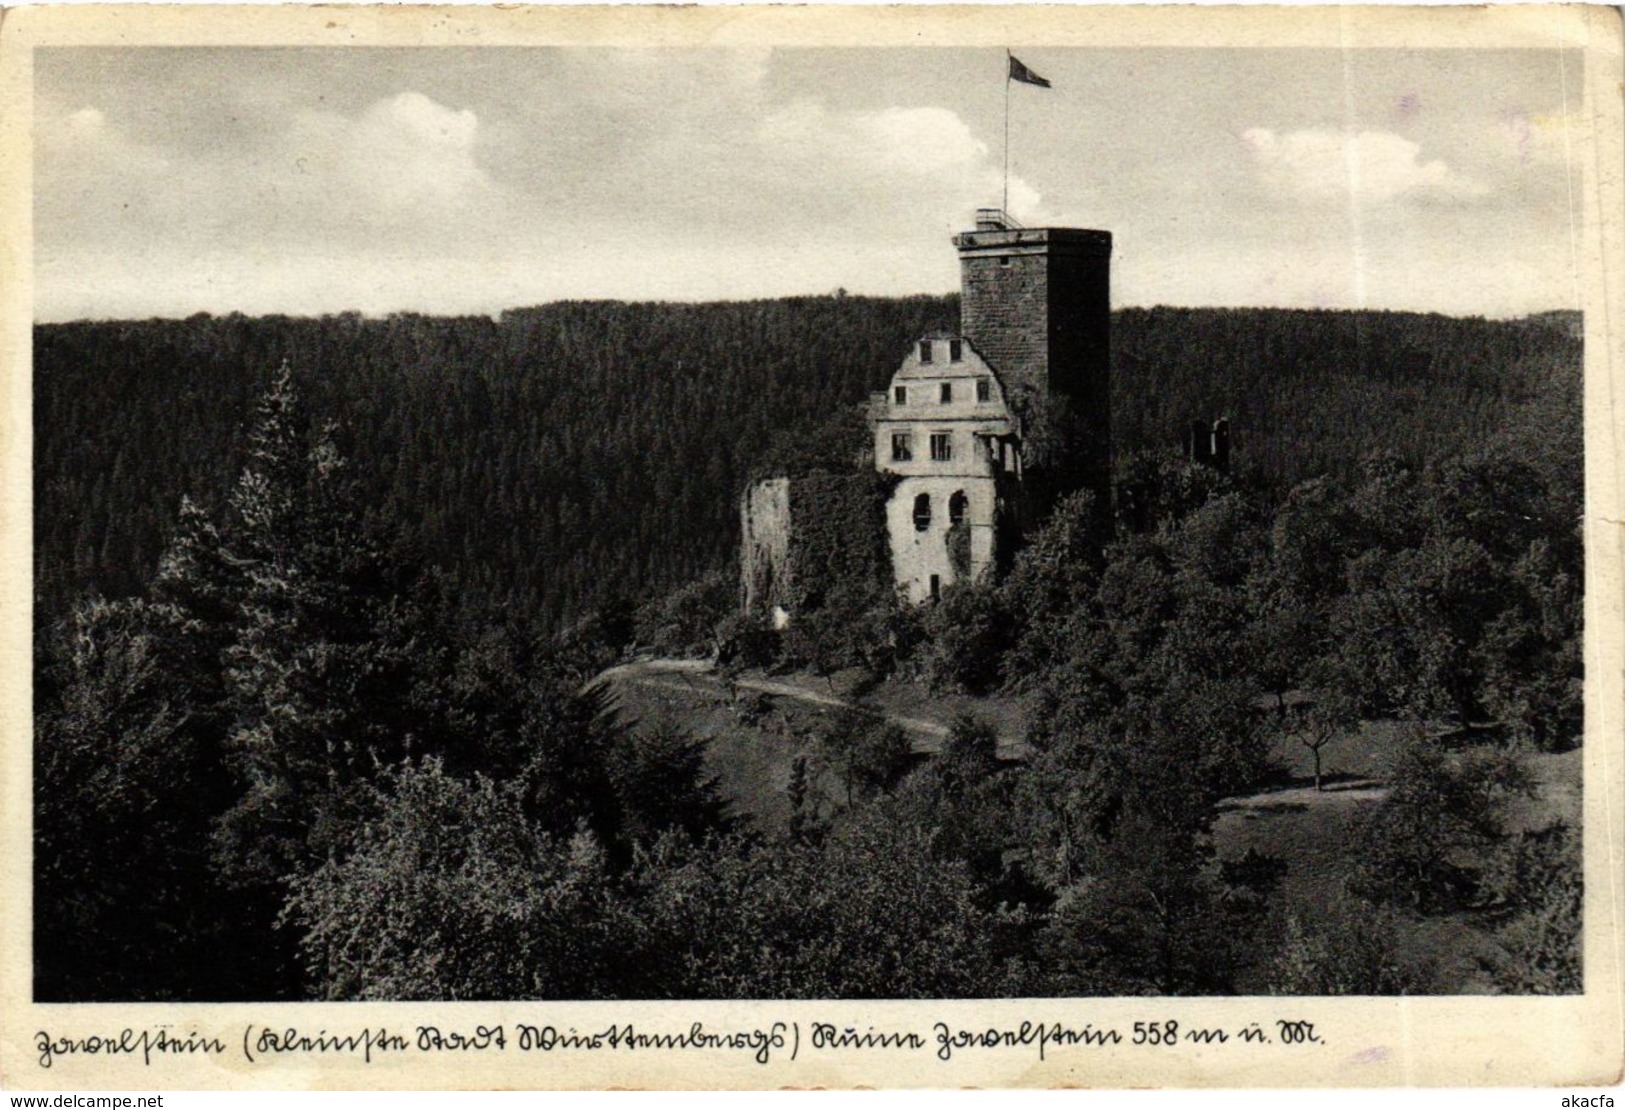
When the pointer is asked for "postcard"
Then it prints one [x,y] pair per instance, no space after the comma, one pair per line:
[762,547]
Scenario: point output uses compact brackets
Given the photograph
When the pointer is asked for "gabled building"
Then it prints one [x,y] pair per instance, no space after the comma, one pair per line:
[944,429]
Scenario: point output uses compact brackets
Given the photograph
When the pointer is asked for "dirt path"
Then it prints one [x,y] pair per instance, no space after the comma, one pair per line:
[639,667]
[698,675]
[1351,792]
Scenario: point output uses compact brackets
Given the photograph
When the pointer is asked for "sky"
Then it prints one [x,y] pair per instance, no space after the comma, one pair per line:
[170,181]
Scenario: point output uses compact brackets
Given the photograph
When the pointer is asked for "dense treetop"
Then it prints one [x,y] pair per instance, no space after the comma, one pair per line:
[562,457]
[329,725]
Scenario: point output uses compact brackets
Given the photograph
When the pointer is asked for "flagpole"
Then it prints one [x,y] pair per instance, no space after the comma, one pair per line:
[1005,203]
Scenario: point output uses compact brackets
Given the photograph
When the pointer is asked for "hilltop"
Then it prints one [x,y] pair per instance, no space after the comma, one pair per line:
[643,421]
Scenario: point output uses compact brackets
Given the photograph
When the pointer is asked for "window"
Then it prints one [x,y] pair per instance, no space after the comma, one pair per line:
[925,350]
[899,394]
[984,389]
[1004,260]
[936,587]
[947,392]
[956,350]
[956,507]
[902,447]
[922,512]
[942,447]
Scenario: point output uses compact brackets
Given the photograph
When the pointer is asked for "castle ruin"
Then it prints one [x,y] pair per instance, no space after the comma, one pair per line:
[981,430]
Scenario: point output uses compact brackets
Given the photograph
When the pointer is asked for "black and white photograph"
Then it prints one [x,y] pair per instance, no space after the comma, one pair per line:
[917,514]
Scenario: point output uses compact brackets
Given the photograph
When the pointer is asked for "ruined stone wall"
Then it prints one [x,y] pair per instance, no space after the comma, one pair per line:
[838,533]
[800,537]
[765,578]
[918,554]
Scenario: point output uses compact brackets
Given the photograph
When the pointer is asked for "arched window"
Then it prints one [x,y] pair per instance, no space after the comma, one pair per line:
[922,512]
[956,507]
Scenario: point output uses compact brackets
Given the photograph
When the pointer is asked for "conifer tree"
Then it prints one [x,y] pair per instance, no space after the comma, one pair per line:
[318,674]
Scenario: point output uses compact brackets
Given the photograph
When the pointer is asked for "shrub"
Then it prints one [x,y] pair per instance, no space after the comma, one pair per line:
[1432,843]
[745,641]
[1349,948]
[451,893]
[967,634]
[685,622]
[869,754]
[1540,946]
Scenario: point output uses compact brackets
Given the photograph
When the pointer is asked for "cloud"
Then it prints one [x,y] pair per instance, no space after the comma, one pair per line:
[91,180]
[405,153]
[403,166]
[916,142]
[1377,167]
[926,158]
[82,144]
[85,128]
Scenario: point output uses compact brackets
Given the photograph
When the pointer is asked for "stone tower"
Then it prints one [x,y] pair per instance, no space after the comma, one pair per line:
[1036,302]
[979,430]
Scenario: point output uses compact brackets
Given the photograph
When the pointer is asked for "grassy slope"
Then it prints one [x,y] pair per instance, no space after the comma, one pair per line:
[1311,832]
[752,740]
[750,754]
[752,737]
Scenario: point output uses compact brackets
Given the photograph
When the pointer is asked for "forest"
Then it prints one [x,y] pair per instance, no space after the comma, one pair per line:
[579,455]
[317,649]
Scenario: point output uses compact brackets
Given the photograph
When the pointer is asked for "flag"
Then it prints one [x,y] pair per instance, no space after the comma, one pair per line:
[1019,72]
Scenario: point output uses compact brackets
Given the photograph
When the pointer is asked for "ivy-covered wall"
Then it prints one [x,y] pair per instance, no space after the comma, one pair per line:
[804,536]
[838,534]
[959,550]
